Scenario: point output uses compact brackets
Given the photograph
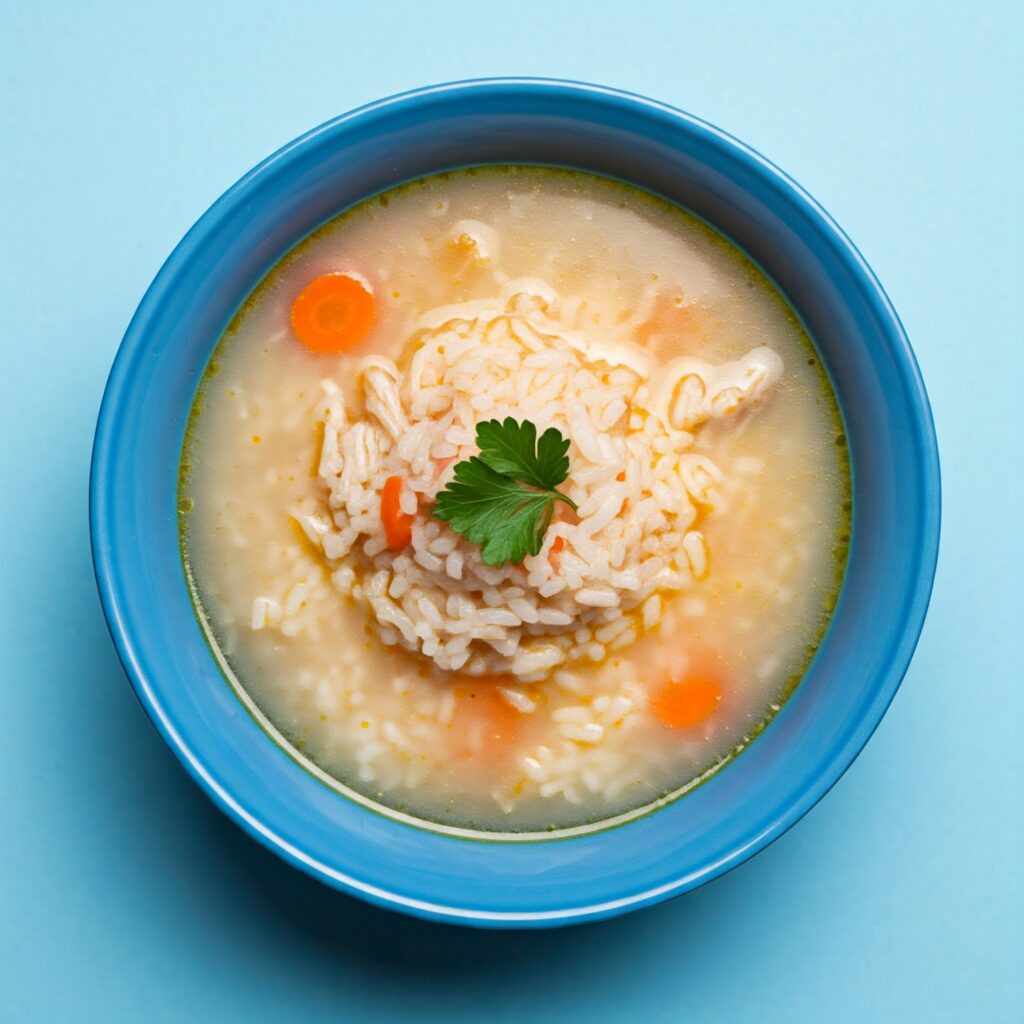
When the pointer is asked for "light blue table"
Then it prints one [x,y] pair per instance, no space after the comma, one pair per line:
[124,896]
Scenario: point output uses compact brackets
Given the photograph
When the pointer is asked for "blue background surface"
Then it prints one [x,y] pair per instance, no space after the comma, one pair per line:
[125,896]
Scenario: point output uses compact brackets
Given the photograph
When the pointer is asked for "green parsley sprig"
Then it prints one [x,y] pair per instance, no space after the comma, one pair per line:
[503,498]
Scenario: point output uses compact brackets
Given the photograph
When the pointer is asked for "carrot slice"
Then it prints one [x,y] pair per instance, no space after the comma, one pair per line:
[486,725]
[333,312]
[557,546]
[397,524]
[680,704]
[668,320]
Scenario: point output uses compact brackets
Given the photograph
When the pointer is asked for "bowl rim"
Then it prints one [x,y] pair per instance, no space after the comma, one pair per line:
[147,694]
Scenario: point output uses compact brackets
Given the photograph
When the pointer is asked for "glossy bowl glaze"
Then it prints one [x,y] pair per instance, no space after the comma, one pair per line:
[855,672]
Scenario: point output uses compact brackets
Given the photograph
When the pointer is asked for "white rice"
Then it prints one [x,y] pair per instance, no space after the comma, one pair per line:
[635,478]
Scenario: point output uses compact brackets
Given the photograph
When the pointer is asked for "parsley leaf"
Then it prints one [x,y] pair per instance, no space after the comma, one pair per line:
[503,498]
[511,448]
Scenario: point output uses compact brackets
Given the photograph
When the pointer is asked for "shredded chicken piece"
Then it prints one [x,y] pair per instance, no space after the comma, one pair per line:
[380,379]
[689,391]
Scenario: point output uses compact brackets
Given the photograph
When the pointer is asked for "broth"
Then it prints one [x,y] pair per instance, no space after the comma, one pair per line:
[616,297]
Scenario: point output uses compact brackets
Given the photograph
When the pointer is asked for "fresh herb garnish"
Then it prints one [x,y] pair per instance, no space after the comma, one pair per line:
[503,498]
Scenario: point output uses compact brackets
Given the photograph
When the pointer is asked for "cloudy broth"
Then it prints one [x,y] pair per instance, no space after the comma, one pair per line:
[632,289]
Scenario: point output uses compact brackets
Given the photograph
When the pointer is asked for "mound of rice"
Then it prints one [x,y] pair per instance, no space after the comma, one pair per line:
[640,485]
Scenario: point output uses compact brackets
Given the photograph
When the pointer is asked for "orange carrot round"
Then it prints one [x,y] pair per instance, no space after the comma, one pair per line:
[333,312]
[680,704]
[397,524]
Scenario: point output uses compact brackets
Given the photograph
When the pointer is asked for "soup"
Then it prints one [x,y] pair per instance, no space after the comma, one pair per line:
[514,500]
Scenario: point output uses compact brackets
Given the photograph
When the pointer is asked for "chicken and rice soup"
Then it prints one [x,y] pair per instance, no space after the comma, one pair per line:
[515,500]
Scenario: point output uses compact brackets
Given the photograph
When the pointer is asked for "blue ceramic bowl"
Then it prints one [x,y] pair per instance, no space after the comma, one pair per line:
[819,731]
